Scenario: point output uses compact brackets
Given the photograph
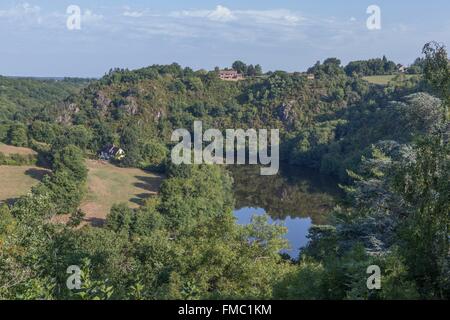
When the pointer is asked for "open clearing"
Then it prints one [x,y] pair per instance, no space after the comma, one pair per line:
[384,80]
[17,181]
[108,185]
[7,150]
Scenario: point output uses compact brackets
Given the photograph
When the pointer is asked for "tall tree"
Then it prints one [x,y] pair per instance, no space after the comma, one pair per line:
[240,67]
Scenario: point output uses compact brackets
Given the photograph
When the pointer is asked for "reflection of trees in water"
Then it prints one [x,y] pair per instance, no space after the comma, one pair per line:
[294,192]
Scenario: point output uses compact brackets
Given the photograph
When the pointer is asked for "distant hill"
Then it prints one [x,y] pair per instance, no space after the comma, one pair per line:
[26,98]
[319,118]
[327,121]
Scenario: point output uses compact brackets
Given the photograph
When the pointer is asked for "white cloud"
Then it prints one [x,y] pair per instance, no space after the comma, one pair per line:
[279,16]
[133,14]
[221,14]
[91,17]
[25,15]
[221,24]
[22,10]
[224,14]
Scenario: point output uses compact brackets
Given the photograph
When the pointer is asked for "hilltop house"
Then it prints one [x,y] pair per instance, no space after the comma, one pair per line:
[112,152]
[401,68]
[230,75]
[310,76]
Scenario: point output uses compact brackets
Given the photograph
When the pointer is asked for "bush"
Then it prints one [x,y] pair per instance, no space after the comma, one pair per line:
[18,159]
[17,135]
[154,154]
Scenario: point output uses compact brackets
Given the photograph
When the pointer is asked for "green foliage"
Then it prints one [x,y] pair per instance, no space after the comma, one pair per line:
[26,98]
[93,289]
[65,190]
[437,70]
[306,282]
[120,218]
[396,281]
[6,222]
[141,255]
[337,145]
[17,135]
[70,158]
[131,141]
[371,67]
[185,243]
[240,67]
[44,131]
[154,154]
[204,194]
[76,218]
[247,70]
[18,159]
[424,183]
[79,136]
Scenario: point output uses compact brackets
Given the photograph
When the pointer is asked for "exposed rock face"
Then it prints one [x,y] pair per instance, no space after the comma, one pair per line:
[286,112]
[102,102]
[69,109]
[131,107]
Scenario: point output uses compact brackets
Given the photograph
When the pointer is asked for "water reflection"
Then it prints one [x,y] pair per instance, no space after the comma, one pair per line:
[296,196]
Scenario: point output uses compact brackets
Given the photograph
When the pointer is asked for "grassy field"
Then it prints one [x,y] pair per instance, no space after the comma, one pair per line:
[108,184]
[383,80]
[7,150]
[16,181]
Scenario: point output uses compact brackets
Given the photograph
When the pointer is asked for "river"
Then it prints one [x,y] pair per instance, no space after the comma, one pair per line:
[295,197]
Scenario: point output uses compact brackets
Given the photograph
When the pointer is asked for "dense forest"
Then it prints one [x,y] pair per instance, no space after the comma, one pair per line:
[388,145]
[25,99]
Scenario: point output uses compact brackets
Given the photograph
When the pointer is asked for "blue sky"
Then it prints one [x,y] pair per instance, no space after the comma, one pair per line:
[279,35]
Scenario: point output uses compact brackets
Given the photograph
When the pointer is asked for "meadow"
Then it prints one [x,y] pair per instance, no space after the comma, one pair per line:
[109,185]
[384,79]
[16,181]
[8,150]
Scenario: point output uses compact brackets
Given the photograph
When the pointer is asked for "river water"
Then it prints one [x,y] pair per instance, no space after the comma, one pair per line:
[296,198]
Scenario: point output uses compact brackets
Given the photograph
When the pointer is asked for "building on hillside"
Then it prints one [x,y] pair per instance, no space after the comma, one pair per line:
[230,75]
[401,68]
[310,76]
[112,152]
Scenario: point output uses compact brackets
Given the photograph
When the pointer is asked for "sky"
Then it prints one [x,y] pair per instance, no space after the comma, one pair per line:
[288,35]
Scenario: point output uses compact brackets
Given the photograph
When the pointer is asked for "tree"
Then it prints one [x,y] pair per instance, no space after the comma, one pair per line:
[240,67]
[258,70]
[437,72]
[44,132]
[120,218]
[79,136]
[17,135]
[71,159]
[154,154]
[423,180]
[65,190]
[6,222]
[132,144]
